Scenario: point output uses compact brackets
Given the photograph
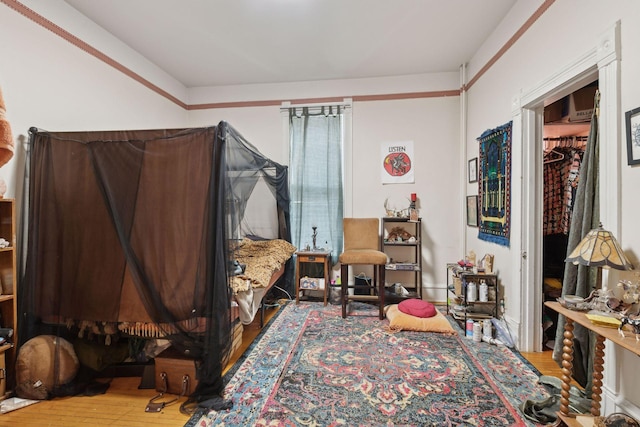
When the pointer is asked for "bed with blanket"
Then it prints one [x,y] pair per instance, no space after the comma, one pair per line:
[264,262]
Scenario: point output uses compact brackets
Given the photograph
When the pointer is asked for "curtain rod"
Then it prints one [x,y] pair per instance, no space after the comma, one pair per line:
[346,104]
[564,138]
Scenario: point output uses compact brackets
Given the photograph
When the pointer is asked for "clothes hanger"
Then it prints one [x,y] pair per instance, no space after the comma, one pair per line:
[553,156]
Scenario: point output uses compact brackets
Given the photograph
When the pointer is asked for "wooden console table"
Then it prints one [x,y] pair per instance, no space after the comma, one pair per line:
[628,341]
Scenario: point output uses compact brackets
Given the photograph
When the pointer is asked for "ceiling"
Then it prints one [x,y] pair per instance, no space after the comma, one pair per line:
[235,42]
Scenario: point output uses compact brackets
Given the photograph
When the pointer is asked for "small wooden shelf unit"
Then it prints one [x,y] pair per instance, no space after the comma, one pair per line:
[8,301]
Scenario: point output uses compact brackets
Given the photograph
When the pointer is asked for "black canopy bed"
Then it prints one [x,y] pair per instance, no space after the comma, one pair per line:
[139,233]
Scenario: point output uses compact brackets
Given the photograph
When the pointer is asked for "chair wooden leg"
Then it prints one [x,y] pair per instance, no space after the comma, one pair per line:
[381,290]
[344,278]
[378,277]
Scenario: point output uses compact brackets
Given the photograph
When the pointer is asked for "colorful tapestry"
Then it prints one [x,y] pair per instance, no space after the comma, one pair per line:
[314,368]
[495,185]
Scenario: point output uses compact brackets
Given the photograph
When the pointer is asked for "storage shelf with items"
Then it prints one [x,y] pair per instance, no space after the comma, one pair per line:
[472,296]
[8,303]
[402,242]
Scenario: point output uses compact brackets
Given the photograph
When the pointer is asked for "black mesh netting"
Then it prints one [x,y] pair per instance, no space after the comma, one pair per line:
[136,227]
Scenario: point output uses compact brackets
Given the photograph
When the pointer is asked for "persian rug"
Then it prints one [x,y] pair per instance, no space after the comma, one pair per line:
[494,192]
[313,368]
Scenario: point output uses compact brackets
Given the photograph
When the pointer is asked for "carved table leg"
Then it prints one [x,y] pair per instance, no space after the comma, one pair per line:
[567,366]
[598,362]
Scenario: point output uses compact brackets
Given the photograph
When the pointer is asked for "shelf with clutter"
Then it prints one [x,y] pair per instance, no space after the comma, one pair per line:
[401,241]
[473,299]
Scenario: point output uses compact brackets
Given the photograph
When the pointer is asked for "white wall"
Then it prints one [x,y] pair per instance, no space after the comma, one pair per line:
[326,88]
[566,31]
[49,84]
[261,126]
[433,125]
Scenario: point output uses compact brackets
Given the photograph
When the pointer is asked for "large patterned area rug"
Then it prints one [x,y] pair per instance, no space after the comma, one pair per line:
[313,368]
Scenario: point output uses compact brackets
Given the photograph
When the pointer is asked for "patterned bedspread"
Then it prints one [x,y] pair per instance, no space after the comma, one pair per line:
[262,259]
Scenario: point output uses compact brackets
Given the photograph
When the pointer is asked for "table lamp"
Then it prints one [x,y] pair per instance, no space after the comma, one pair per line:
[600,249]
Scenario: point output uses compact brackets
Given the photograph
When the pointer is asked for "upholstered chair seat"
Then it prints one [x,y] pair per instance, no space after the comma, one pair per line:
[363,256]
[362,247]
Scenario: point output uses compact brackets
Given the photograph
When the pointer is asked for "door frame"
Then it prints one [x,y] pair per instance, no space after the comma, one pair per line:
[602,62]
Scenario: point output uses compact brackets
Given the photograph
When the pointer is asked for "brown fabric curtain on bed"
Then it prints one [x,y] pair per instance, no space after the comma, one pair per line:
[132,226]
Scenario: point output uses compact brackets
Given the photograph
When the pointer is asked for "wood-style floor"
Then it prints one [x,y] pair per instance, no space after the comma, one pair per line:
[123,405]
[544,362]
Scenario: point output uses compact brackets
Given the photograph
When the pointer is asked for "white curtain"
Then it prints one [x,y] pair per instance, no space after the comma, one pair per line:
[315,176]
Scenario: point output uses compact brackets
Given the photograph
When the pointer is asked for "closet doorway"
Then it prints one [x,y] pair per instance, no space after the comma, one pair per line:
[601,63]
[565,132]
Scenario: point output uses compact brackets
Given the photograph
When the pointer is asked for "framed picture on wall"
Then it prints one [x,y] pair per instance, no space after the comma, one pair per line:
[473,170]
[472,211]
[633,136]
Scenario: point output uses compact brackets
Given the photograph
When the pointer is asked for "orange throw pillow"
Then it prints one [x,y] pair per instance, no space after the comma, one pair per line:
[405,322]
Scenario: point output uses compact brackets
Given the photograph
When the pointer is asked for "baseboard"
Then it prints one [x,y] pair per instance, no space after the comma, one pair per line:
[615,403]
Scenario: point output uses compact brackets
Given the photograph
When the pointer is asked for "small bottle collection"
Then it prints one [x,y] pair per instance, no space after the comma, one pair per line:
[474,301]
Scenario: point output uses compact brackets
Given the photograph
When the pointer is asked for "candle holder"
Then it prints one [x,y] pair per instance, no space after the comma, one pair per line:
[314,236]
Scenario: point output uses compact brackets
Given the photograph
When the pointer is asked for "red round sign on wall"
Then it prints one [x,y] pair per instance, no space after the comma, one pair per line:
[397,164]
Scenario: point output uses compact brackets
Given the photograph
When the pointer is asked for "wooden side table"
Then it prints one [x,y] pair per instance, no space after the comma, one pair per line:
[571,317]
[314,257]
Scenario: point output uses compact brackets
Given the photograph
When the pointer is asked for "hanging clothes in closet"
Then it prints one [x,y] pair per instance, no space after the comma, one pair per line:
[562,159]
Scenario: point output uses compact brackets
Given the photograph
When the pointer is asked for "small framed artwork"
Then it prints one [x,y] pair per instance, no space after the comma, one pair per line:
[633,136]
[473,170]
[472,211]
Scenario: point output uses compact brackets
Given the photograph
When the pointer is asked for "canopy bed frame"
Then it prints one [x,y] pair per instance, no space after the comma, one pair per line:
[139,233]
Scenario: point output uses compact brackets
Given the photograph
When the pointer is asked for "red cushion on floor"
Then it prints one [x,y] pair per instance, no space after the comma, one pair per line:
[417,307]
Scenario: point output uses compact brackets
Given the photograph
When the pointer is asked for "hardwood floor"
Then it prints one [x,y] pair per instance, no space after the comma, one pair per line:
[123,405]
[543,361]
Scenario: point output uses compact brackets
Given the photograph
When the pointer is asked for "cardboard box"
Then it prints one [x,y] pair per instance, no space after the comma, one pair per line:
[577,107]
[553,112]
[312,283]
[457,285]
[581,104]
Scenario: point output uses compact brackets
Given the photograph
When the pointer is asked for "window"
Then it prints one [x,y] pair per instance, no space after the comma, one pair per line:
[316,184]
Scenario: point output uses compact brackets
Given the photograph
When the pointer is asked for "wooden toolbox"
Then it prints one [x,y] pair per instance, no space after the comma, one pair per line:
[175,373]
